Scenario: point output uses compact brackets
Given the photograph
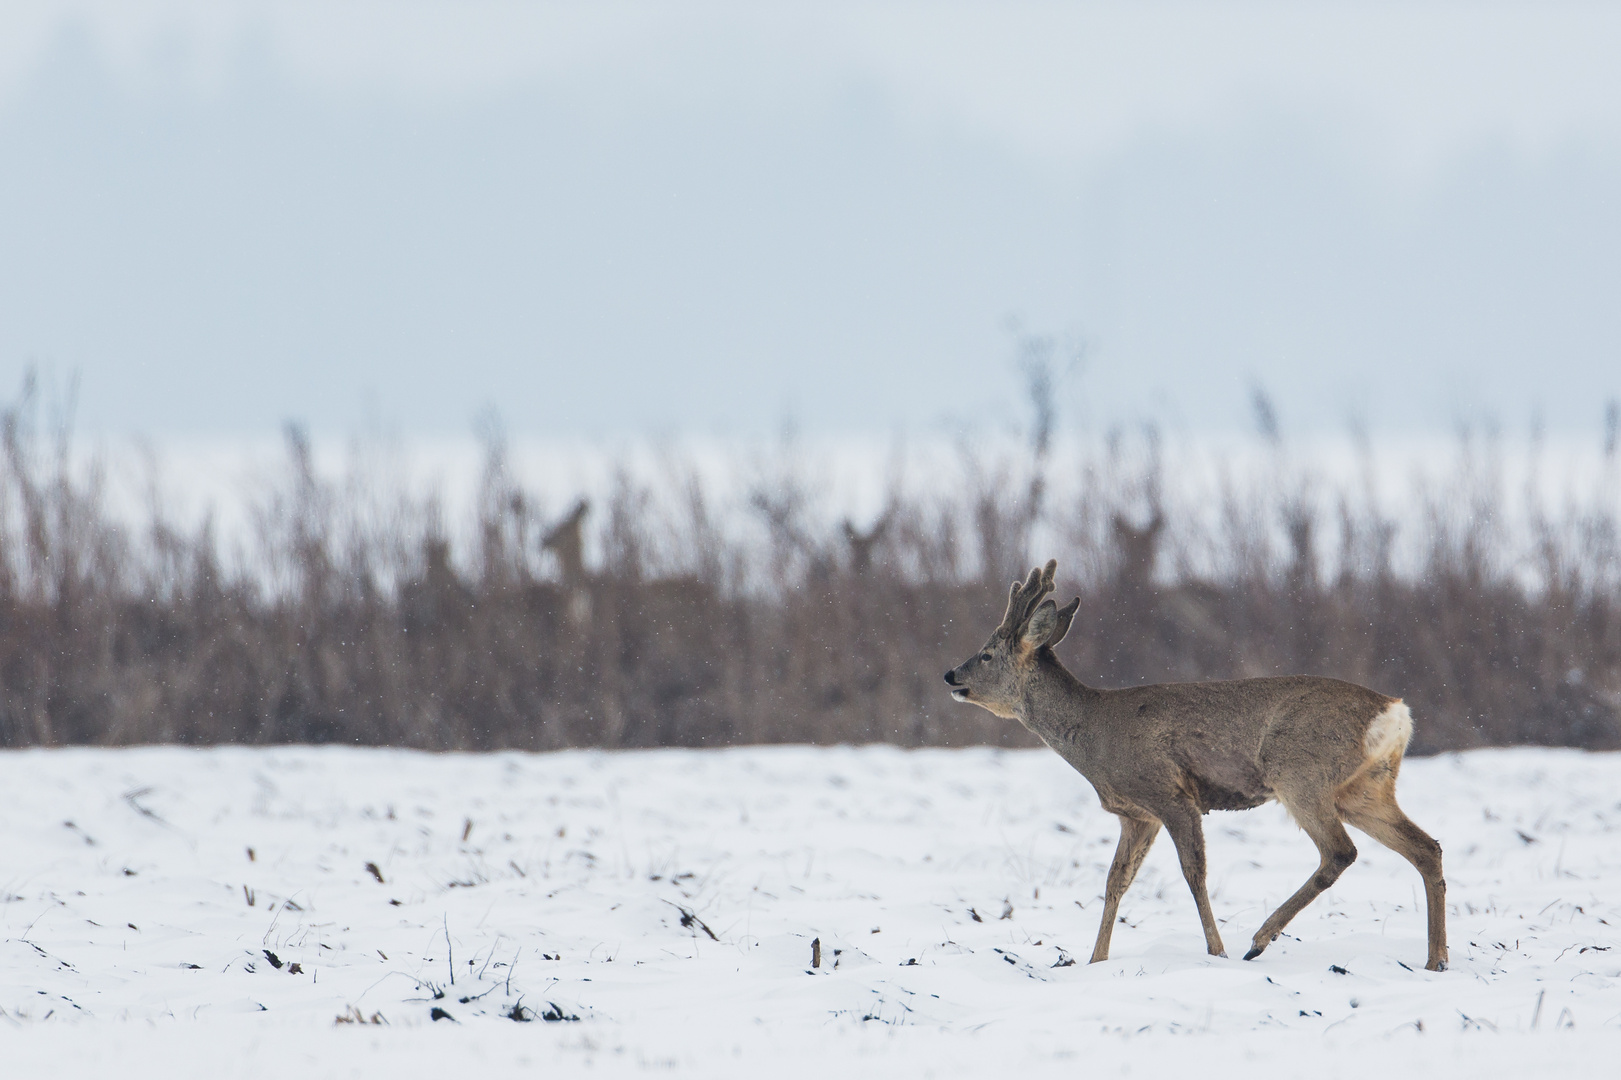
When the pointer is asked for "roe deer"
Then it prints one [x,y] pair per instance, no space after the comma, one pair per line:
[1327,750]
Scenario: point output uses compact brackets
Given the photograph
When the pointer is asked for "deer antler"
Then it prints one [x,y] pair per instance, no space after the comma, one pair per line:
[1025,595]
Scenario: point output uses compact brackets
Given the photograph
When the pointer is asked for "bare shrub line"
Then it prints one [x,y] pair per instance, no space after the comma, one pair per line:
[658,616]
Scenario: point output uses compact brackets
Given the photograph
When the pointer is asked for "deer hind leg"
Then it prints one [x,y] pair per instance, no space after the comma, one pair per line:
[1368,801]
[1335,852]
[1136,837]
[1188,834]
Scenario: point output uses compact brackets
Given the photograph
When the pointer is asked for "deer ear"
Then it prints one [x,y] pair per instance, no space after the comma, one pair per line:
[1043,621]
[1066,615]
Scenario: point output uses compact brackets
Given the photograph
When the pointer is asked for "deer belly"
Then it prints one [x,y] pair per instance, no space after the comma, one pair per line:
[1233,788]
[1215,796]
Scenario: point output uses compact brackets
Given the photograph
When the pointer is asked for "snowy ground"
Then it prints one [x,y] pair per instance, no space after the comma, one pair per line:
[171,912]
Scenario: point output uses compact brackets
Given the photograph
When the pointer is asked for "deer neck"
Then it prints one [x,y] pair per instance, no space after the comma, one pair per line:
[1056,706]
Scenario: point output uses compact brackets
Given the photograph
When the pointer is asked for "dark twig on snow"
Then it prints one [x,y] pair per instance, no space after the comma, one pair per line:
[689,919]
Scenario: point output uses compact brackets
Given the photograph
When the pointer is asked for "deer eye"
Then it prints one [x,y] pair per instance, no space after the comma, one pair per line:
[985,656]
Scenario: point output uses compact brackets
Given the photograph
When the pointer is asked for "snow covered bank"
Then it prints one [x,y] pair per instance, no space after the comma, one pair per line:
[178,912]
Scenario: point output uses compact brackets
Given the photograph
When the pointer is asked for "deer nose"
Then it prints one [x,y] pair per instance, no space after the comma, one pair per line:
[951,678]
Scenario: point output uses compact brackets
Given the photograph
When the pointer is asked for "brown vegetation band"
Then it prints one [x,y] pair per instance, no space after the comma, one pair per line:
[379,633]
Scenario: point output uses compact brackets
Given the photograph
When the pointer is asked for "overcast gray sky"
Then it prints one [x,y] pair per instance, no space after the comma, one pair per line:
[622,217]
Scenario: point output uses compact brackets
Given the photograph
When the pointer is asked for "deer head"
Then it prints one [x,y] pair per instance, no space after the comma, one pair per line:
[995,678]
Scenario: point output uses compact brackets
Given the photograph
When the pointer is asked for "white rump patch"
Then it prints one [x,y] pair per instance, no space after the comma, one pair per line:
[1389,732]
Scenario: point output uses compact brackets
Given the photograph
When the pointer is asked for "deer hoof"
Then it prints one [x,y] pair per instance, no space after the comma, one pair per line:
[1255,950]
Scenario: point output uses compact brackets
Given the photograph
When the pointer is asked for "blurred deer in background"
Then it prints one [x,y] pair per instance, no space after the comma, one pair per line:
[1137,549]
[566,542]
[1329,751]
[861,544]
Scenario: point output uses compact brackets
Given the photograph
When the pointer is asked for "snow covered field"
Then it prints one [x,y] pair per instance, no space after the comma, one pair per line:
[248,912]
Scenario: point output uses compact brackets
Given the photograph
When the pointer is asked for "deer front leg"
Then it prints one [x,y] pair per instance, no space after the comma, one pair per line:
[1136,837]
[1187,833]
